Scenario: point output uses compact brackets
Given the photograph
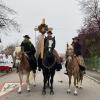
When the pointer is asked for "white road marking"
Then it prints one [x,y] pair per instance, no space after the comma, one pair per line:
[7,87]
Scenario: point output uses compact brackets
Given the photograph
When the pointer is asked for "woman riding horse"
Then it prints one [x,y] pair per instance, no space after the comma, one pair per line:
[53,46]
[77,51]
[72,69]
[49,62]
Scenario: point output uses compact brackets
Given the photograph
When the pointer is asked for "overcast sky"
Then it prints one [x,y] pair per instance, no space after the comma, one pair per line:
[63,16]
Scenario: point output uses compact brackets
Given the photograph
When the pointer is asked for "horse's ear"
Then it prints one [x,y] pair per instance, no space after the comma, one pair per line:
[54,37]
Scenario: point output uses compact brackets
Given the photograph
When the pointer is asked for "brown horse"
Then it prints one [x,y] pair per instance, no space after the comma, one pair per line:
[23,67]
[73,69]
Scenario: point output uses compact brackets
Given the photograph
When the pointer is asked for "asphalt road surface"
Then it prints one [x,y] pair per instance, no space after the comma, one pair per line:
[90,91]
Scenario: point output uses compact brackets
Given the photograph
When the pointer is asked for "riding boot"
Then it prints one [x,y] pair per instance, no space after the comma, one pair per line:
[83,69]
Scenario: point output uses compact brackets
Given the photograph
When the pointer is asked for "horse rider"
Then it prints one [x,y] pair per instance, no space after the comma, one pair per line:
[49,36]
[77,51]
[29,49]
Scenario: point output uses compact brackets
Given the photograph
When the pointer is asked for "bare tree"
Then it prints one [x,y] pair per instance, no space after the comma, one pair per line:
[91,10]
[6,22]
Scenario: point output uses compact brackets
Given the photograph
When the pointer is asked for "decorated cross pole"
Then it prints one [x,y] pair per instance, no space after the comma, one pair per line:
[67,45]
[42,28]
[35,29]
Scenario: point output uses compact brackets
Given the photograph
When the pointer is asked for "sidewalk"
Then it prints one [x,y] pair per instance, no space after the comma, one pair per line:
[93,75]
[2,73]
[5,73]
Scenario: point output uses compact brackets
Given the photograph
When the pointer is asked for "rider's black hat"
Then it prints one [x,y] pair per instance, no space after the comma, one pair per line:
[49,32]
[76,38]
[26,36]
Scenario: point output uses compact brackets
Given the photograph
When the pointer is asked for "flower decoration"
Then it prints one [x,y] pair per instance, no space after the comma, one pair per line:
[43,28]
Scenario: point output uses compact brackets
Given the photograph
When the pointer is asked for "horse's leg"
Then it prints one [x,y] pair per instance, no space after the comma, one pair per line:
[48,80]
[27,82]
[20,84]
[45,80]
[69,90]
[34,76]
[75,79]
[52,73]
[81,79]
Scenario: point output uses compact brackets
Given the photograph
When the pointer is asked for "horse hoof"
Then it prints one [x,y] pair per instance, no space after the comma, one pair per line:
[28,91]
[51,92]
[19,92]
[75,94]
[68,91]
[43,92]
[80,87]
[77,86]
[34,85]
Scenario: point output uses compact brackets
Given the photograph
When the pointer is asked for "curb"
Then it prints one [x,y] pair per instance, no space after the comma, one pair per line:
[93,79]
[3,74]
[6,73]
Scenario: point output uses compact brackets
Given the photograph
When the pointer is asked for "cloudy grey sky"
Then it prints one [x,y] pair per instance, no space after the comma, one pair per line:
[63,15]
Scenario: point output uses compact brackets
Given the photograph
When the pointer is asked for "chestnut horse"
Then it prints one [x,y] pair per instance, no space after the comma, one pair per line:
[73,69]
[23,67]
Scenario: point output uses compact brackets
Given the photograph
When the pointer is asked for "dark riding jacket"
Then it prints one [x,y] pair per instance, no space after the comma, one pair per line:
[48,38]
[28,47]
[77,48]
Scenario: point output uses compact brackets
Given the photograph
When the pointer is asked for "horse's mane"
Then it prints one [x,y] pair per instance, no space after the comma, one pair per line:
[70,50]
[17,50]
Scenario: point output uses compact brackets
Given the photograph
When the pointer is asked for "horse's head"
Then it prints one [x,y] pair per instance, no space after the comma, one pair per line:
[18,54]
[70,53]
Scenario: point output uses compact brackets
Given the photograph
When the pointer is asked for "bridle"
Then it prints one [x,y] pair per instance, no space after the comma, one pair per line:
[49,67]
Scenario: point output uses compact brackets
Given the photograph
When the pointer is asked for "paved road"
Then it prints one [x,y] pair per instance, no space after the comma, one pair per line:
[95,75]
[90,91]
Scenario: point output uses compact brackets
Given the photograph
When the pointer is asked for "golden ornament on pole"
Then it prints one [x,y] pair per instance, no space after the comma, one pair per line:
[43,28]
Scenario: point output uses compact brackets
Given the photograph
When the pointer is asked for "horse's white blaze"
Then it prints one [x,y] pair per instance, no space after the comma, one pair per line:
[50,43]
[69,58]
